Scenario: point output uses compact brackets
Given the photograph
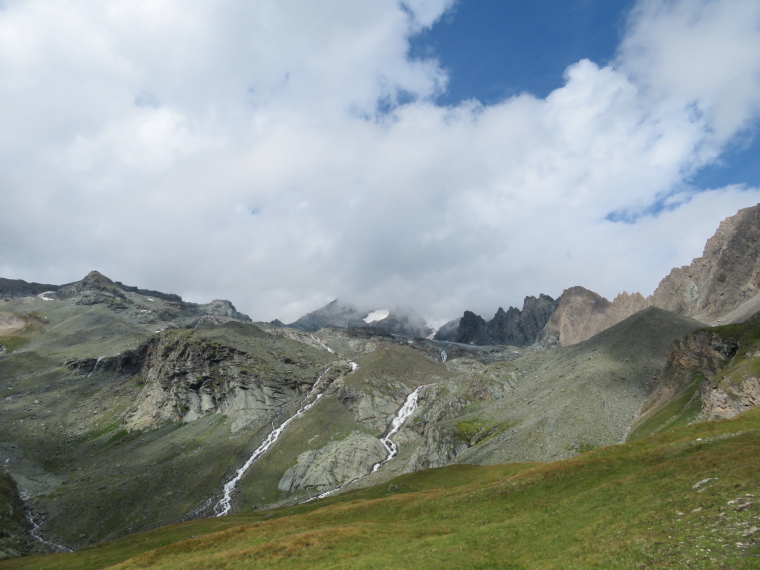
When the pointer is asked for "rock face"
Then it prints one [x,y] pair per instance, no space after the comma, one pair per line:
[514,327]
[725,277]
[727,274]
[709,374]
[692,365]
[582,313]
[336,464]
[188,375]
[724,403]
[15,539]
[14,288]
[448,332]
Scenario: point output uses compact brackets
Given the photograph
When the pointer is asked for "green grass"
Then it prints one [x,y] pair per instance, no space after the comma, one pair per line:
[637,505]
[13,343]
[477,430]
[683,409]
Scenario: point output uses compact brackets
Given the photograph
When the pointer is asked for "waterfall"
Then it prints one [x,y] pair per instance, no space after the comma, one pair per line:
[225,503]
[410,405]
[94,368]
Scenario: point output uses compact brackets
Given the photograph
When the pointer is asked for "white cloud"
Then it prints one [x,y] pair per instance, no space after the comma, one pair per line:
[235,149]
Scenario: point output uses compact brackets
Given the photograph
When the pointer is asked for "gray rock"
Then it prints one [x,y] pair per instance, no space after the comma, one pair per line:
[336,464]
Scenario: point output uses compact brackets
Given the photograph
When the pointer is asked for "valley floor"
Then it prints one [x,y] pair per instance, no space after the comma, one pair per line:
[686,498]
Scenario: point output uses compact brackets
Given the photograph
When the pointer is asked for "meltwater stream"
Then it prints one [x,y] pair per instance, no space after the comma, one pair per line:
[409,407]
[225,503]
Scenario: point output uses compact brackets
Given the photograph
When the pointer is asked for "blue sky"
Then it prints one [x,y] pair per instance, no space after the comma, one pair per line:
[439,154]
[494,49]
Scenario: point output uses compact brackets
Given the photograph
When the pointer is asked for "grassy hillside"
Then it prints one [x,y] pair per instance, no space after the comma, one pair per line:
[717,357]
[687,497]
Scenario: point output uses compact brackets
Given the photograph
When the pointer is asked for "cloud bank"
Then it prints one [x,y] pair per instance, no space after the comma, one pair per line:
[284,152]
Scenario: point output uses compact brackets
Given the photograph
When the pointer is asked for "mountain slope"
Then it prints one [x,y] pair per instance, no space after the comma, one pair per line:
[684,498]
[712,373]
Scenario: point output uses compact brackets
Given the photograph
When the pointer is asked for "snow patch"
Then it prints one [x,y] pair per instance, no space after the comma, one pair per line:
[375,316]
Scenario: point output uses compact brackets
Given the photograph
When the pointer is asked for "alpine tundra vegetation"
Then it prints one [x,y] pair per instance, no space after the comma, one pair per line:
[127,412]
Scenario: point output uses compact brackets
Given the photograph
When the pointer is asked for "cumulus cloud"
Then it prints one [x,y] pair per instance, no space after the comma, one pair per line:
[282,153]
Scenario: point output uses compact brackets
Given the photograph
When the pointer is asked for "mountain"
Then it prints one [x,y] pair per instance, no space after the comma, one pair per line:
[513,327]
[405,322]
[13,288]
[126,410]
[720,286]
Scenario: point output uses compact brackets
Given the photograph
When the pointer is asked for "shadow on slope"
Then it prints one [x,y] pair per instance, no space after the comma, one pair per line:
[686,497]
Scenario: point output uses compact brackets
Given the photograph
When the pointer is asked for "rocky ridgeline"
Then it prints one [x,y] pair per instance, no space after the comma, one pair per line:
[713,287]
[513,327]
[143,306]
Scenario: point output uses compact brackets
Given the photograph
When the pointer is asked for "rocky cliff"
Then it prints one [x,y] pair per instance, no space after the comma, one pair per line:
[714,287]
[188,374]
[513,327]
[725,276]
[722,280]
[709,374]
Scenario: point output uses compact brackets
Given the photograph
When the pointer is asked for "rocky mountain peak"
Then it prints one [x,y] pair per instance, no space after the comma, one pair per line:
[724,277]
[513,327]
[346,315]
[93,282]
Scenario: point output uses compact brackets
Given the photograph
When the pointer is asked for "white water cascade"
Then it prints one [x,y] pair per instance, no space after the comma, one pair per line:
[410,405]
[444,356]
[34,527]
[225,503]
[94,368]
[322,344]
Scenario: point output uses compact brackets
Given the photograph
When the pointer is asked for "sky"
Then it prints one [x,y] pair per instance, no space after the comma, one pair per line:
[436,154]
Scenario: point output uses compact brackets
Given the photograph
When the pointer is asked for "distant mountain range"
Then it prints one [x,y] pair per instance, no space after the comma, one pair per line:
[126,409]
[721,286]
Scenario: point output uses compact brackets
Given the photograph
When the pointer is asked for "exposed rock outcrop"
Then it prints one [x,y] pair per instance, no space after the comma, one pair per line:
[187,376]
[15,539]
[709,374]
[335,464]
[727,274]
[371,408]
[723,402]
[513,327]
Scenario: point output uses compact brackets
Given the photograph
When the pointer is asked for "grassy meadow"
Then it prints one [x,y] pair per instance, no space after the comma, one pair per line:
[688,497]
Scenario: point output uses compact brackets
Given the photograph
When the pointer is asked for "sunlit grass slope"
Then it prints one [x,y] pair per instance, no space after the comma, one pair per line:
[688,497]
